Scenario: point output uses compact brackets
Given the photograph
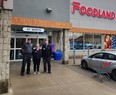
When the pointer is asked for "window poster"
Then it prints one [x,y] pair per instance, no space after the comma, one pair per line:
[107,42]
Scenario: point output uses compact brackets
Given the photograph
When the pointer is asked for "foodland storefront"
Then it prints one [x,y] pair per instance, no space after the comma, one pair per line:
[93,26]
[38,30]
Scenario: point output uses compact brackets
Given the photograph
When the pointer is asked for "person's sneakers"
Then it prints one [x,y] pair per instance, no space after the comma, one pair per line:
[38,73]
[49,72]
[43,72]
[34,73]
[22,74]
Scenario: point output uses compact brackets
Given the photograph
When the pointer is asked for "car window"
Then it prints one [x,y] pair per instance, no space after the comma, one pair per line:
[109,56]
[98,55]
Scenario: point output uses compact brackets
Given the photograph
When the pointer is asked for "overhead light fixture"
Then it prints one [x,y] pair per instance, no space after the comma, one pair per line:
[48,10]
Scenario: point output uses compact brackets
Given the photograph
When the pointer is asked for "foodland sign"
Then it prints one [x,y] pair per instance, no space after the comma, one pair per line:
[83,10]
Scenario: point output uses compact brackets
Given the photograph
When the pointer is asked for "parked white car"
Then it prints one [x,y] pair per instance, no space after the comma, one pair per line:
[104,61]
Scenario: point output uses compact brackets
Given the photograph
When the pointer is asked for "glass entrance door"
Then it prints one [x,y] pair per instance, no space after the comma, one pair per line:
[16,45]
[39,41]
[19,43]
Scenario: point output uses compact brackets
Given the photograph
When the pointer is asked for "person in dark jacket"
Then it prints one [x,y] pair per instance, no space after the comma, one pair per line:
[27,53]
[46,54]
[36,59]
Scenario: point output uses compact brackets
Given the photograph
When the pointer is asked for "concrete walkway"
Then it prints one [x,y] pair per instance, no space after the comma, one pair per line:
[64,80]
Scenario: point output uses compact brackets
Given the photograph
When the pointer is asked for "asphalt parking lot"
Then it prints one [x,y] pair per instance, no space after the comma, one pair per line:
[64,80]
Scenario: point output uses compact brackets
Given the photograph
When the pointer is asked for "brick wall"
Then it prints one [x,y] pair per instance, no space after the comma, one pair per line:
[5,35]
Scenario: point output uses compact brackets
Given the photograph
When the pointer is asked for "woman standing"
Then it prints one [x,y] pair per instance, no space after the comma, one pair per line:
[36,59]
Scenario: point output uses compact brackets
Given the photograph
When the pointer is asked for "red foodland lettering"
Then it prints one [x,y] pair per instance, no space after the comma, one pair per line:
[83,10]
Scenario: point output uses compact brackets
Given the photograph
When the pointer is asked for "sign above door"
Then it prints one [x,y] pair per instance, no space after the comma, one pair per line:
[31,29]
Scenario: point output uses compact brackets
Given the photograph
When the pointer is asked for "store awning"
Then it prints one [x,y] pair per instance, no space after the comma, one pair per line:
[40,23]
[89,30]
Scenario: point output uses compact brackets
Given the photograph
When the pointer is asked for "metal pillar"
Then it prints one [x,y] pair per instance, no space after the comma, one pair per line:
[74,57]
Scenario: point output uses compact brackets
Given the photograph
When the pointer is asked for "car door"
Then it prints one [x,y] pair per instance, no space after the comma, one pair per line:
[108,60]
[96,61]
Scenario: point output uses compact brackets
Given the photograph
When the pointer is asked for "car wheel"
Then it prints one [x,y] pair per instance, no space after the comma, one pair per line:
[114,75]
[84,64]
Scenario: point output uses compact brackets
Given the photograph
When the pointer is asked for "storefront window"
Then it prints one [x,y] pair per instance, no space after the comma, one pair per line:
[97,41]
[20,42]
[71,43]
[85,41]
[11,54]
[71,40]
[113,42]
[78,41]
[18,54]
[12,43]
[88,41]
[41,42]
[34,41]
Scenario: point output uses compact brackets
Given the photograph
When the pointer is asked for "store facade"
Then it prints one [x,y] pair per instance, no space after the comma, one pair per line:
[93,26]
[30,17]
[76,25]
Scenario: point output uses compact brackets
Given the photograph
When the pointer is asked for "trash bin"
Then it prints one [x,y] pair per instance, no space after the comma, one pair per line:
[57,55]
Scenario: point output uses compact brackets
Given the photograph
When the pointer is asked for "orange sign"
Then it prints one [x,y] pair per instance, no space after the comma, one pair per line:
[40,23]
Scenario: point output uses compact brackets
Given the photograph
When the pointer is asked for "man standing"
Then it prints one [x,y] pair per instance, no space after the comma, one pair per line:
[46,54]
[26,51]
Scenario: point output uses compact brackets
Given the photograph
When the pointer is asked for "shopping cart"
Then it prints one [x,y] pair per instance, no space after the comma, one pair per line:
[102,72]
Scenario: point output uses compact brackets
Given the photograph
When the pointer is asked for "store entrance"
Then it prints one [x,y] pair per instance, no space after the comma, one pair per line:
[18,41]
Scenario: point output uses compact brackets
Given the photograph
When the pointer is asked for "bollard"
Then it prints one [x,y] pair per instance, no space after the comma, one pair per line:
[88,51]
[74,56]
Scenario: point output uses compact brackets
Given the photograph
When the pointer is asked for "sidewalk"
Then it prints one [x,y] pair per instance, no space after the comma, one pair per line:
[77,61]
[64,80]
